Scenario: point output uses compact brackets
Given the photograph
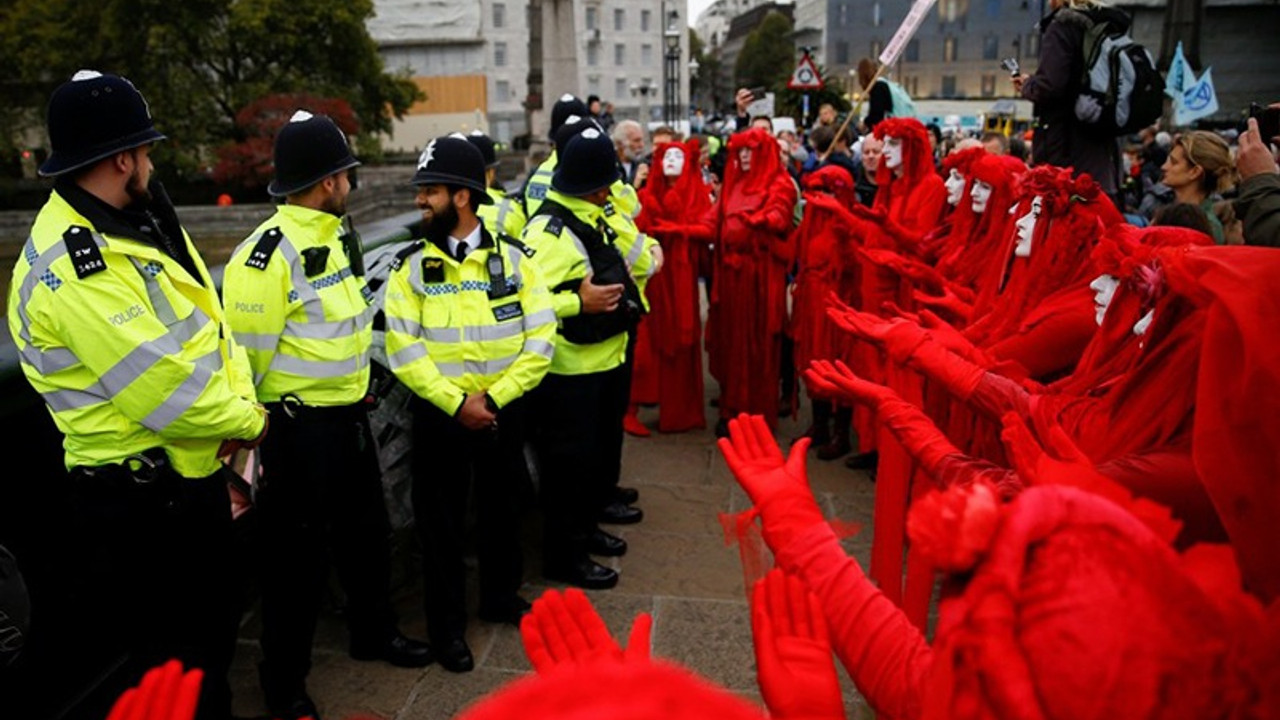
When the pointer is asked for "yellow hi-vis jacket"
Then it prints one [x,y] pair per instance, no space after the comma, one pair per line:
[481,325]
[623,196]
[293,303]
[563,259]
[504,217]
[129,351]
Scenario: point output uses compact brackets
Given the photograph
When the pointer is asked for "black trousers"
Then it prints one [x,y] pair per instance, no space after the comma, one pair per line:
[152,581]
[576,428]
[448,462]
[320,501]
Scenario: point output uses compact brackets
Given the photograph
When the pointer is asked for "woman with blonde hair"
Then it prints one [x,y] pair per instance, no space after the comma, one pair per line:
[1199,167]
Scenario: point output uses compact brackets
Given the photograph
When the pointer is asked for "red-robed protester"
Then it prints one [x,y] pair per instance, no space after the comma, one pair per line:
[752,255]
[676,210]
[1063,604]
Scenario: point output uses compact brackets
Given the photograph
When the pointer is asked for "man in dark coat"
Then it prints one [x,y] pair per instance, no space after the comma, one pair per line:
[1060,139]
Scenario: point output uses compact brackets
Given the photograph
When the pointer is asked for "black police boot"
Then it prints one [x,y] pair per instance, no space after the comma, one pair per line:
[583,573]
[286,700]
[454,655]
[626,495]
[602,543]
[397,650]
[616,513]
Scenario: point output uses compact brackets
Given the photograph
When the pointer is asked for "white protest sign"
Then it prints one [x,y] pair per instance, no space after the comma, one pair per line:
[919,9]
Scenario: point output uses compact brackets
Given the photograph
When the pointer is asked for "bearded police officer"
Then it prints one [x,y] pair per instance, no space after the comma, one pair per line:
[297,301]
[581,402]
[119,327]
[471,331]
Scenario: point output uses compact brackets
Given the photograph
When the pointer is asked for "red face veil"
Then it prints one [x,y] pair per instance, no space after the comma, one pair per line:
[766,165]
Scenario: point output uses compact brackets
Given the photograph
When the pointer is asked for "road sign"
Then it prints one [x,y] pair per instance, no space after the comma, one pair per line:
[806,76]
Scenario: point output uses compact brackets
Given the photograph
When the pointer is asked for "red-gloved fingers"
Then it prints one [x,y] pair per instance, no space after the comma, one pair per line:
[589,622]
[901,338]
[765,444]
[545,642]
[535,646]
[123,707]
[567,625]
[188,695]
[639,642]
[1063,447]
[1024,452]
[798,608]
[797,466]
[892,310]
[144,701]
[834,301]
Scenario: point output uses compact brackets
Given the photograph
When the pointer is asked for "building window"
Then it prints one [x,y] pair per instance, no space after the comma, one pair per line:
[988,86]
[1033,44]
[876,47]
[499,15]
[912,53]
[645,17]
[499,54]
[502,89]
[843,18]
[950,11]
[593,54]
[619,54]
[915,85]
[620,88]
[619,19]
[842,53]
[877,17]
[991,47]
[593,84]
[948,86]
[646,54]
[993,8]
[593,17]
[949,49]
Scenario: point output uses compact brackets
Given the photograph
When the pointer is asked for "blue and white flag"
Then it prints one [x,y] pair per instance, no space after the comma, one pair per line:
[1180,75]
[1197,101]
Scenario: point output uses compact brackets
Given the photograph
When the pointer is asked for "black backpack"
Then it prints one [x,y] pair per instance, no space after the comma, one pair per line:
[1121,91]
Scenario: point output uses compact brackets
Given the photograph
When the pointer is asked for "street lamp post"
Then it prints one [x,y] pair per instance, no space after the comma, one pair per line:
[644,91]
[671,70]
[693,82]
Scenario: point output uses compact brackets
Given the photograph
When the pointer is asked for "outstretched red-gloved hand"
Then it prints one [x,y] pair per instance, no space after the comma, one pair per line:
[564,628]
[827,379]
[948,301]
[165,693]
[794,664]
[1066,464]
[778,488]
[863,325]
[907,267]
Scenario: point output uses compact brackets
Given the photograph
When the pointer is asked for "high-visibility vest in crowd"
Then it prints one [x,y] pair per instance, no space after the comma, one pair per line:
[128,349]
[504,217]
[455,328]
[303,316]
[623,196]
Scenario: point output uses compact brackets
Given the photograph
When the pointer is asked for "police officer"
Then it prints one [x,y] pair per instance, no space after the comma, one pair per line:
[539,181]
[581,402]
[471,331]
[506,213]
[297,301]
[119,327]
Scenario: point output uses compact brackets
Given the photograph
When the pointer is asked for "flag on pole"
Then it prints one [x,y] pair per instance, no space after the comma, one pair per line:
[1180,75]
[1197,101]
[915,16]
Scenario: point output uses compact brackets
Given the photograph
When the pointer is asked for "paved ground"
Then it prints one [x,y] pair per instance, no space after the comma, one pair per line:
[678,569]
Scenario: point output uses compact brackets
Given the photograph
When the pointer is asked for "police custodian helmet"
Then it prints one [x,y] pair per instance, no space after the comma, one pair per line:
[309,148]
[94,116]
[588,163]
[485,145]
[453,160]
[567,105]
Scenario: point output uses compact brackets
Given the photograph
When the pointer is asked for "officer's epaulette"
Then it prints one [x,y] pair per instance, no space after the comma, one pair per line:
[528,251]
[405,252]
[267,243]
[86,258]
[554,226]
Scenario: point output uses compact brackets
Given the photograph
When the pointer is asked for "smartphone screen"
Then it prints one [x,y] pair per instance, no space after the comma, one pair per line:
[1269,124]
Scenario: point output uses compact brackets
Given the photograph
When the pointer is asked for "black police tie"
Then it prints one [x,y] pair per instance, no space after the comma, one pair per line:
[460,253]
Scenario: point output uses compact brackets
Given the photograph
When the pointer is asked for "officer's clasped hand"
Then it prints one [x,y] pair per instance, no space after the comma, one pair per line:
[475,413]
[599,298]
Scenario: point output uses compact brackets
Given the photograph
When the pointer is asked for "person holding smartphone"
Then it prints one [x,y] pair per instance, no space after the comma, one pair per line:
[1259,201]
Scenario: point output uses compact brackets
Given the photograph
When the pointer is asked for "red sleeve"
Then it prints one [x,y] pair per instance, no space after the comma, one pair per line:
[1050,347]
[885,655]
[779,209]
[996,395]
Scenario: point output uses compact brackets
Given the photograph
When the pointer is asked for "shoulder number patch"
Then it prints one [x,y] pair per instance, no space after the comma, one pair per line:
[261,254]
[86,258]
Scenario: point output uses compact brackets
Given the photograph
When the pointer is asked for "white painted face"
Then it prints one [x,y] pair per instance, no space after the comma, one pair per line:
[744,159]
[1141,327]
[955,187]
[1027,228]
[892,152]
[673,162]
[1104,289]
[981,194]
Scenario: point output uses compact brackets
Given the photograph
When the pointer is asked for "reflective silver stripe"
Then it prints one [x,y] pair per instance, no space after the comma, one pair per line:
[582,249]
[159,301]
[183,397]
[403,325]
[256,341]
[539,346]
[406,355]
[309,296]
[415,272]
[47,362]
[211,360]
[331,330]
[315,368]
[513,259]
[142,358]
[546,316]
[475,367]
[60,400]
[633,255]
[483,333]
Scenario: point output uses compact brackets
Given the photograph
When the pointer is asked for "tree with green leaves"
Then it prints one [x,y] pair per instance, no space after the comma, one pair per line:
[198,62]
[768,55]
